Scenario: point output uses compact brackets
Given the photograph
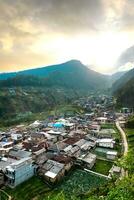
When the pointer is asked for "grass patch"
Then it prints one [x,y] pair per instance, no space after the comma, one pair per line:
[102,166]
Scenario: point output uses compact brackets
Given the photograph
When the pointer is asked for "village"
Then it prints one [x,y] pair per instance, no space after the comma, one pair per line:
[51,148]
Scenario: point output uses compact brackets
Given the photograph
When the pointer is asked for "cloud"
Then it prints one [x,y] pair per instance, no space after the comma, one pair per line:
[57,15]
[126,67]
[127,18]
[29,27]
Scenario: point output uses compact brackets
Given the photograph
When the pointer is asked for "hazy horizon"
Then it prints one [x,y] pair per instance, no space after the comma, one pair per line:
[37,33]
[38,67]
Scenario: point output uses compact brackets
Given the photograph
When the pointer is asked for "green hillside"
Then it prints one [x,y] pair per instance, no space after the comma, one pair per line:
[42,89]
[22,103]
[72,74]
[125,95]
[122,81]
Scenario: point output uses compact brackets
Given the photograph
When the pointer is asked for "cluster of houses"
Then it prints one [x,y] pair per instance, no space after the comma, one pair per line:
[97,103]
[51,148]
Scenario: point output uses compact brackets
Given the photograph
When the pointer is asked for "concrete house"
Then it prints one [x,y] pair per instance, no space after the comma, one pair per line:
[88,160]
[19,171]
[106,142]
[111,155]
[52,171]
[115,170]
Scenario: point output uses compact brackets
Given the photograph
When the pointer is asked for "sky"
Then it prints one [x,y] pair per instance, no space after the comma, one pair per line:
[36,33]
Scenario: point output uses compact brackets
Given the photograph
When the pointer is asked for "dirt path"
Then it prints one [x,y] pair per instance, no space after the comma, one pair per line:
[125,145]
[124,138]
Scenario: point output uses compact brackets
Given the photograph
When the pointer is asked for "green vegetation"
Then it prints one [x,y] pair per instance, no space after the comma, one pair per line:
[64,110]
[80,182]
[76,183]
[4,195]
[123,80]
[108,126]
[125,95]
[26,104]
[130,137]
[33,188]
[70,75]
[123,90]
[130,123]
[121,189]
[130,133]
[41,90]
[102,166]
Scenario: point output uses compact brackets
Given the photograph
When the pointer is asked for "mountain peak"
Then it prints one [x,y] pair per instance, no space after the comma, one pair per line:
[74,61]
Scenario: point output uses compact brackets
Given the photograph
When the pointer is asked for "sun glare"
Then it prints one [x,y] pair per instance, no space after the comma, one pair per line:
[100,51]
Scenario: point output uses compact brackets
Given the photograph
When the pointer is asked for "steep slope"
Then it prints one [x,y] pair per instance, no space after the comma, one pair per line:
[39,90]
[20,103]
[125,95]
[116,76]
[123,80]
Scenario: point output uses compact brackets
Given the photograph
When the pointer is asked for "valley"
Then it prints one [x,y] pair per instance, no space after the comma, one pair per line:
[61,126]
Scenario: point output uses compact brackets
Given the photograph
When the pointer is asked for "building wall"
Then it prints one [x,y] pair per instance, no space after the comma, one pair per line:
[20,174]
[111,157]
[24,173]
[111,145]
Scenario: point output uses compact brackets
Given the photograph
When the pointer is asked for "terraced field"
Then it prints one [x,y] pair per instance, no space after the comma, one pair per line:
[76,183]
[130,137]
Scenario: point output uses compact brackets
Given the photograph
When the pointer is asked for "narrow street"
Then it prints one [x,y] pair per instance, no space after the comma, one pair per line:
[125,145]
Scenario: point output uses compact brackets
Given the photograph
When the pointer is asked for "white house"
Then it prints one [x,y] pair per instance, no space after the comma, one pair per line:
[101,120]
[106,142]
[111,155]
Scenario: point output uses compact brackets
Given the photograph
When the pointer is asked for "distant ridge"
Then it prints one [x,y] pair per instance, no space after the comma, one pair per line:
[72,74]
[40,71]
